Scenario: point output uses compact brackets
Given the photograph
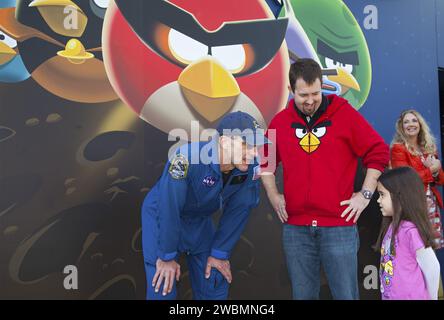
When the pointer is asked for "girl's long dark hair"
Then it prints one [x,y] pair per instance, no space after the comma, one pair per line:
[409,204]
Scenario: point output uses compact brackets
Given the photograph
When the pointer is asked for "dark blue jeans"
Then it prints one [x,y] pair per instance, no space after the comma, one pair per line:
[335,247]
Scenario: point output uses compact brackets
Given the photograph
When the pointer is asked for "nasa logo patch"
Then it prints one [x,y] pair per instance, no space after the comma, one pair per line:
[209,181]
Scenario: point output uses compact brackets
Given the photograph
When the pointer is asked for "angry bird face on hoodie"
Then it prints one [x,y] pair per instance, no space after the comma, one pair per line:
[177,61]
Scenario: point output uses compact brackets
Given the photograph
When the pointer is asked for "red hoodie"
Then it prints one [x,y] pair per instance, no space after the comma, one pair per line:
[319,163]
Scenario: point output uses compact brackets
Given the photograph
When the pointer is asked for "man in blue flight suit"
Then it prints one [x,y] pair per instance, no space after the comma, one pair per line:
[176,214]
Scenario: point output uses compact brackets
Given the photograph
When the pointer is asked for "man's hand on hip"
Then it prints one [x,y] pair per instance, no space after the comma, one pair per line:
[356,204]
[223,266]
[168,271]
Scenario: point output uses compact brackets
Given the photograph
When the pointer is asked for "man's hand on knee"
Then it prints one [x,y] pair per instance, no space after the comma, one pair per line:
[166,270]
[223,266]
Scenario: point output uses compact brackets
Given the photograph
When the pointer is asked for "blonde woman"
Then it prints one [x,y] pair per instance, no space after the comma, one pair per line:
[413,145]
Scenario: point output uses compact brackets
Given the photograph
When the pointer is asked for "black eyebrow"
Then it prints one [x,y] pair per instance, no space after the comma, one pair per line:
[178,19]
[143,16]
[297,125]
[326,123]
[349,57]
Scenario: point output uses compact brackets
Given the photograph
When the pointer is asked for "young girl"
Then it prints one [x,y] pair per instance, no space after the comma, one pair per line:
[409,268]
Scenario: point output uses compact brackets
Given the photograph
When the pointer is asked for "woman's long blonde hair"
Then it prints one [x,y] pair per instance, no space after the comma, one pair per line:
[426,140]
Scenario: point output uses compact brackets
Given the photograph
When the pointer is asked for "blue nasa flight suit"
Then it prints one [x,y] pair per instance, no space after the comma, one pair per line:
[176,218]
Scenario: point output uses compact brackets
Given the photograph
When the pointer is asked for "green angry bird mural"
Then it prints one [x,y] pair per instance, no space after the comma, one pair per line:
[339,43]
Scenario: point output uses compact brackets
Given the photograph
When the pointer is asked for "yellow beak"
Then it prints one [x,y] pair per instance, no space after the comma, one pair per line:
[346,80]
[6,53]
[310,143]
[209,88]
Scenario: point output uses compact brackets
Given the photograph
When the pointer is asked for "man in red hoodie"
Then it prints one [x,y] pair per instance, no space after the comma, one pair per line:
[319,139]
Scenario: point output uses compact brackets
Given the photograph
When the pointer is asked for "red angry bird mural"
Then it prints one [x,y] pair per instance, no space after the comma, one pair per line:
[177,61]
